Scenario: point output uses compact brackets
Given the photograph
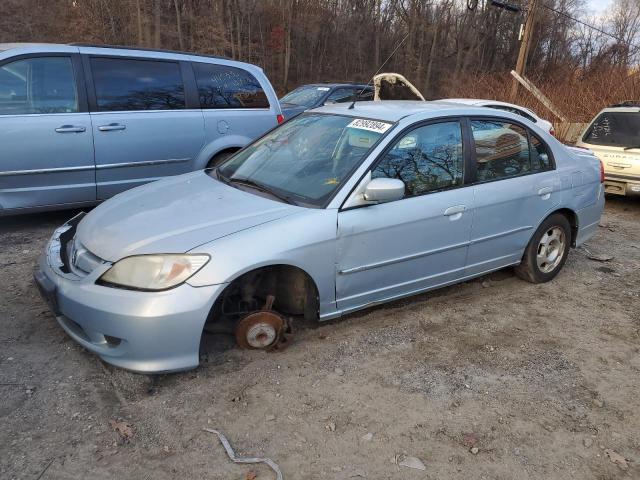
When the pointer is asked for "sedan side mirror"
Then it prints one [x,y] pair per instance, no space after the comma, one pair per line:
[384,190]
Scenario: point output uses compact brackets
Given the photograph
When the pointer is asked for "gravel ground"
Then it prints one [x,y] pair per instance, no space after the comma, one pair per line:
[491,379]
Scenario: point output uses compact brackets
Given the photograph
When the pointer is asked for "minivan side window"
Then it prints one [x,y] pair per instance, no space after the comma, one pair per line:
[221,86]
[126,84]
[37,86]
[426,159]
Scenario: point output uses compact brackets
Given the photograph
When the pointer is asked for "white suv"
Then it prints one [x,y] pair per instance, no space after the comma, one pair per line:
[614,136]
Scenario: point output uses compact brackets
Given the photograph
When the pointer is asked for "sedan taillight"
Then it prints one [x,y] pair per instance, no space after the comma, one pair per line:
[280,118]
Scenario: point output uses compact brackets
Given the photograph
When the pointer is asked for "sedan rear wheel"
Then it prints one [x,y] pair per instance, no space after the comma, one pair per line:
[547,250]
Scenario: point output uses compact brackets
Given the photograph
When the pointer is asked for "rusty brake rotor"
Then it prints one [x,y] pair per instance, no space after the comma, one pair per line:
[260,330]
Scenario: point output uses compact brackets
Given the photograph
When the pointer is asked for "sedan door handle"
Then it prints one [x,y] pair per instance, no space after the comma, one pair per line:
[70,129]
[111,127]
[455,212]
[545,192]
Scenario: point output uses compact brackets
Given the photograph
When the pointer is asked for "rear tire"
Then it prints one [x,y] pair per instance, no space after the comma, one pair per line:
[547,250]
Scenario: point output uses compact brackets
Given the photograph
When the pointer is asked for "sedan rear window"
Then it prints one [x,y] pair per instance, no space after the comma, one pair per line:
[615,129]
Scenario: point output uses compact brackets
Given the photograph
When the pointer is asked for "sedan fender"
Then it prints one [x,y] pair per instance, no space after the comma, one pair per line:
[305,240]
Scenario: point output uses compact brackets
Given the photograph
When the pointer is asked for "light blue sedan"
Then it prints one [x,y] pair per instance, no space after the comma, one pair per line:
[334,211]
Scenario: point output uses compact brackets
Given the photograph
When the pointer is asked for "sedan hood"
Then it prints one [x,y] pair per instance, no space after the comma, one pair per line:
[174,215]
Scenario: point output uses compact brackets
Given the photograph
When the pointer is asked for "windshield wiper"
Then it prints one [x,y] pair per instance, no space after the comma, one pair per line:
[631,148]
[263,188]
[221,177]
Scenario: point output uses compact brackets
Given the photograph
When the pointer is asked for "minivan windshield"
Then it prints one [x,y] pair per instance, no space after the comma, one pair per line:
[305,160]
[615,129]
[305,96]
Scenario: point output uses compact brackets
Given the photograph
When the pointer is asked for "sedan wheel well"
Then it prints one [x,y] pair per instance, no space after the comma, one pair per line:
[294,291]
[573,221]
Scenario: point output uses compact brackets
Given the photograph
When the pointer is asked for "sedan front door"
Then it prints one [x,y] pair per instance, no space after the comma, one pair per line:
[419,242]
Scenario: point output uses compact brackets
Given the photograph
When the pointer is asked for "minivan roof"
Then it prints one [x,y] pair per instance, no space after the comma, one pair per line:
[146,49]
[9,46]
[34,48]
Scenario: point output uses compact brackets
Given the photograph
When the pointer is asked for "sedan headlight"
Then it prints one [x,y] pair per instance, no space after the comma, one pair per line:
[153,272]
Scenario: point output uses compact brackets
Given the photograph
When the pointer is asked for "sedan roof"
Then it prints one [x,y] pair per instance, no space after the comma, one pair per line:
[389,110]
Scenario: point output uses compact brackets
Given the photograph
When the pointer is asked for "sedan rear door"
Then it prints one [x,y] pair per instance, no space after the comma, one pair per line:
[516,188]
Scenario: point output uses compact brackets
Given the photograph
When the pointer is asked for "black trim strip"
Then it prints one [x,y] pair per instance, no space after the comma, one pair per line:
[614,177]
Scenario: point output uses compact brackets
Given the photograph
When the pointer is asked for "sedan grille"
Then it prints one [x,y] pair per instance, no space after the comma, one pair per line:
[82,261]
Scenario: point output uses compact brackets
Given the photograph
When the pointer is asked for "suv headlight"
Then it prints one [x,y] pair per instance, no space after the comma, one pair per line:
[153,272]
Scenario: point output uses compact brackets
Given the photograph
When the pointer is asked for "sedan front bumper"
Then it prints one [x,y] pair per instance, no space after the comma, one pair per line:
[150,332]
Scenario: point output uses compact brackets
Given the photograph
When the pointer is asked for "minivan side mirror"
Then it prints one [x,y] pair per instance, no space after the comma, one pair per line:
[384,190]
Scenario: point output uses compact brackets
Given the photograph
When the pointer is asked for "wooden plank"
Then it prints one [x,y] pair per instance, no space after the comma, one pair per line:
[526,83]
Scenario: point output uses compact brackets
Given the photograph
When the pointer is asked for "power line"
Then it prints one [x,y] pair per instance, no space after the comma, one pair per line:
[593,27]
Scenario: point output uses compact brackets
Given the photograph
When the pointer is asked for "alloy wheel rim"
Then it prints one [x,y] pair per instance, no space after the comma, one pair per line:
[551,249]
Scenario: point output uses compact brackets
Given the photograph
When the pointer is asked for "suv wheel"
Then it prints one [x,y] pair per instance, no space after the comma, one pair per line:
[547,250]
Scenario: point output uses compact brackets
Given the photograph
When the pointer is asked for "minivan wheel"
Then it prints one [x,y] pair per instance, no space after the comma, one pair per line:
[219,159]
[547,250]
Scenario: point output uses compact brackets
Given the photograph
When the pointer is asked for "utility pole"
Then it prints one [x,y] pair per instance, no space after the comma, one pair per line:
[525,45]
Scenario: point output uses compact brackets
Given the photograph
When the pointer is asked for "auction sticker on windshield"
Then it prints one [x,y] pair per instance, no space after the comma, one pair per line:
[324,89]
[370,125]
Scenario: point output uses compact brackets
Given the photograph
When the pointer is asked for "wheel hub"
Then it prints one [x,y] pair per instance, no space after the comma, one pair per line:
[260,330]
[551,249]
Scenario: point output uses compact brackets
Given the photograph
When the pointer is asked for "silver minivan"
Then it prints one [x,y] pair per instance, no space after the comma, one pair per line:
[79,123]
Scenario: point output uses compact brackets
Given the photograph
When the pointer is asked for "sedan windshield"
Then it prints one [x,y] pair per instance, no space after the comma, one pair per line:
[615,129]
[305,160]
[305,96]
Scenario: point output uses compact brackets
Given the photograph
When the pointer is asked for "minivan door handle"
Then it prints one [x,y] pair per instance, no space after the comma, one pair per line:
[70,129]
[545,192]
[455,212]
[111,127]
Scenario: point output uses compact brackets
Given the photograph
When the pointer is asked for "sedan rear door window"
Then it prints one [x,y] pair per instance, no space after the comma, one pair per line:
[502,149]
[427,159]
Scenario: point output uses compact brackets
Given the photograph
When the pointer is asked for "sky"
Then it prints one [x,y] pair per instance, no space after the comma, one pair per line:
[598,7]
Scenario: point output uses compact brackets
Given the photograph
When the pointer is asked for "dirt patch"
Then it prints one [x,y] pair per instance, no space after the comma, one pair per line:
[540,379]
